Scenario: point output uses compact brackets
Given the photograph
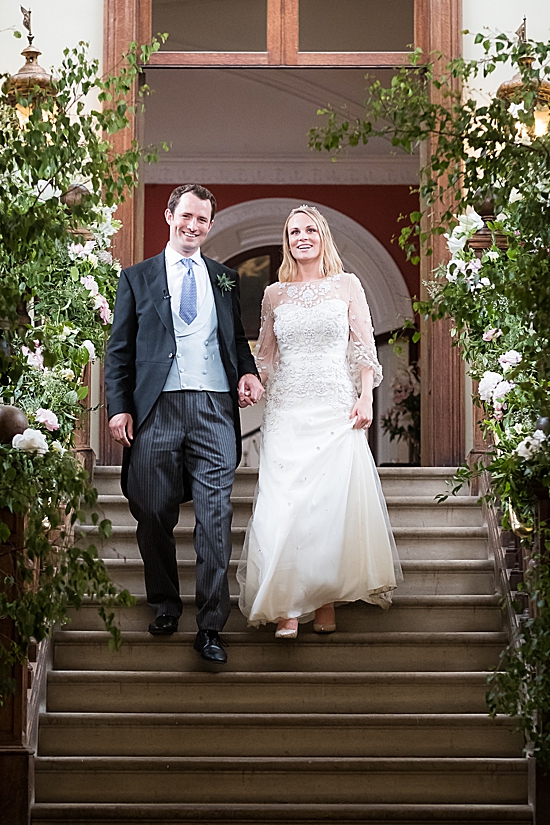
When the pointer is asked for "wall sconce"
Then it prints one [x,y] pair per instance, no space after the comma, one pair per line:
[511,90]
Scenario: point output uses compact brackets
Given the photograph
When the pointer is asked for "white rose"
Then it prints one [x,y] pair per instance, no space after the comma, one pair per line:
[471,222]
[502,389]
[488,384]
[31,441]
[455,243]
[90,347]
[509,359]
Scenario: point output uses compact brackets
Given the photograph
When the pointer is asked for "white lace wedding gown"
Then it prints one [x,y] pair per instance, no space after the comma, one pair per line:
[320,530]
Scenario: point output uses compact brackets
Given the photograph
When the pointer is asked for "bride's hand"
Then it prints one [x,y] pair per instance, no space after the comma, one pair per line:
[363,411]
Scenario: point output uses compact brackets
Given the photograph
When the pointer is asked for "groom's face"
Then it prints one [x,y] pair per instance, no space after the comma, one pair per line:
[189,224]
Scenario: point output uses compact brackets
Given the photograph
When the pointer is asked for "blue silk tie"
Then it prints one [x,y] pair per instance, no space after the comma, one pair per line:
[188,300]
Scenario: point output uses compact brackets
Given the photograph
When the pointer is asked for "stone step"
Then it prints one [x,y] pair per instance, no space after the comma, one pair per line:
[423,613]
[281,779]
[282,814]
[404,511]
[437,543]
[277,734]
[88,691]
[396,481]
[419,577]
[78,650]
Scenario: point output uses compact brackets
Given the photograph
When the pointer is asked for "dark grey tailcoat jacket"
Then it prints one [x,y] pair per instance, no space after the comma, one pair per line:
[142,344]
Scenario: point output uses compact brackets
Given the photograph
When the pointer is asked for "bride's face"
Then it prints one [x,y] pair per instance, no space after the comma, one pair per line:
[303,238]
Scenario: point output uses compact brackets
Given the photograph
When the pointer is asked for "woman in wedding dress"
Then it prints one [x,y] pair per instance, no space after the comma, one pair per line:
[320,531]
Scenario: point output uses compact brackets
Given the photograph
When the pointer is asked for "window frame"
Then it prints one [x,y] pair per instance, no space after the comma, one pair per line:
[282,45]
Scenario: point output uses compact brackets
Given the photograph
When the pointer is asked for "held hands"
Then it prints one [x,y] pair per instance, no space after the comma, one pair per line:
[122,428]
[362,409]
[250,390]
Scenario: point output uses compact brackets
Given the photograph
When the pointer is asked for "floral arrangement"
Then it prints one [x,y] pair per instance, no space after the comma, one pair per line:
[58,280]
[402,421]
[498,299]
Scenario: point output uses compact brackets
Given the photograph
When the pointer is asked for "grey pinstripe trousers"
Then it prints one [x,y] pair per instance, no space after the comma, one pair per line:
[186,431]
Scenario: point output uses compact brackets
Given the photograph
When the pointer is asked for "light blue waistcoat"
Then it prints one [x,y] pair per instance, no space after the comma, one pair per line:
[198,364]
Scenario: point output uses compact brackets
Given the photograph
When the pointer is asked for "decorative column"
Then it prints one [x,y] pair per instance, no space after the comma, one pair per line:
[442,368]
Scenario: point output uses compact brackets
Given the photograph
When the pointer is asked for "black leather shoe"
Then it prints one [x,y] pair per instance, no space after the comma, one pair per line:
[209,644]
[164,625]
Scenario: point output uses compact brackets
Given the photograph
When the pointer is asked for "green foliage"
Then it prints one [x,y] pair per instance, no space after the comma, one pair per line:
[402,421]
[68,289]
[521,685]
[500,302]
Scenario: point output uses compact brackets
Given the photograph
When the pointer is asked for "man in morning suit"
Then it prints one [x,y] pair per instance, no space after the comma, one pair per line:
[178,367]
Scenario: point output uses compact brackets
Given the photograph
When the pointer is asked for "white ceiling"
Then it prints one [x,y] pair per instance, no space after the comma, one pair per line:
[251,126]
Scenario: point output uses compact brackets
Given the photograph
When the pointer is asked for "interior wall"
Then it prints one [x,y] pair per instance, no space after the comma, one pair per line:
[377,208]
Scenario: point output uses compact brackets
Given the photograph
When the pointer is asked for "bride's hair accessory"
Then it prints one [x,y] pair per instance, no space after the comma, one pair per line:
[304,206]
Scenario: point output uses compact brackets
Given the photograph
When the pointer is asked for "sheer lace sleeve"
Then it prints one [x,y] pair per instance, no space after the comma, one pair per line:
[267,351]
[362,349]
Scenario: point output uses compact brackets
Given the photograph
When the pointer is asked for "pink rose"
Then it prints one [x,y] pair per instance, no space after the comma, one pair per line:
[34,358]
[48,418]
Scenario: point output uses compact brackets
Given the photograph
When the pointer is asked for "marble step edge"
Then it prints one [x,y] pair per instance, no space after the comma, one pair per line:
[395,501]
[438,602]
[123,531]
[449,678]
[274,720]
[286,764]
[427,565]
[277,813]
[81,637]
[103,470]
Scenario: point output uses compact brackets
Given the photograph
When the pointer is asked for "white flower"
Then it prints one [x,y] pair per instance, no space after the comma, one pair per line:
[58,447]
[31,441]
[65,332]
[502,389]
[530,445]
[455,243]
[90,347]
[90,283]
[491,334]
[509,359]
[48,418]
[34,358]
[67,374]
[117,267]
[470,223]
[493,254]
[92,259]
[488,384]
[485,281]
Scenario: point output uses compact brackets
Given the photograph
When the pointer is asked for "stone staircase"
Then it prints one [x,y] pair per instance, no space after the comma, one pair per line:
[382,722]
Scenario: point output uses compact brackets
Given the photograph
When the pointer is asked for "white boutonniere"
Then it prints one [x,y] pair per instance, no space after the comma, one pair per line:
[224,282]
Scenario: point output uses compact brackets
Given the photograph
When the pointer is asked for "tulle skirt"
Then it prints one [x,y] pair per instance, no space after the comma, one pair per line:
[320,530]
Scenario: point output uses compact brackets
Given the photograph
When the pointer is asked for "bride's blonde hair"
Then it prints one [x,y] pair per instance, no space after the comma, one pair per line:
[330,259]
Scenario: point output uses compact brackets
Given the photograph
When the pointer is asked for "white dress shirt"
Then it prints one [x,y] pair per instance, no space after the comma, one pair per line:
[175,271]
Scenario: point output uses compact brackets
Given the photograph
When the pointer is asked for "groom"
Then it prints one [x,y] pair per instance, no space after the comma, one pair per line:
[178,368]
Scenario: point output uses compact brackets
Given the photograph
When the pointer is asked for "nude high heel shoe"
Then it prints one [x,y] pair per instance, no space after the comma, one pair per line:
[287,629]
[325,620]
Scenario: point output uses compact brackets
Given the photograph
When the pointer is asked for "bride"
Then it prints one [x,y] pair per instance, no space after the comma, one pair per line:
[320,532]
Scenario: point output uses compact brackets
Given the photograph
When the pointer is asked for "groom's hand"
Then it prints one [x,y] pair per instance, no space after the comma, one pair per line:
[122,428]
[250,390]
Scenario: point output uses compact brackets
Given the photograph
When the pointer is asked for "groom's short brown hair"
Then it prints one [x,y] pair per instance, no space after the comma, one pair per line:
[196,189]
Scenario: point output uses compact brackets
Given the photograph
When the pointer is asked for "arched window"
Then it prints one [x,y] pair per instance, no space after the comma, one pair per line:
[257,269]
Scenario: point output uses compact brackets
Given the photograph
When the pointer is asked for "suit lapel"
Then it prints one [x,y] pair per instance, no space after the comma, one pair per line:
[158,287]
